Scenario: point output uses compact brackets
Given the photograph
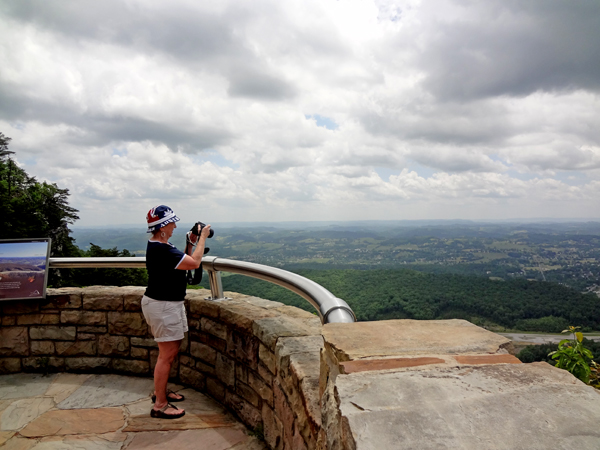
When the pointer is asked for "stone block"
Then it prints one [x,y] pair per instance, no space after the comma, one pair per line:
[77,317]
[210,340]
[18,307]
[203,352]
[192,378]
[248,413]
[10,365]
[267,357]
[296,313]
[88,329]
[43,364]
[259,386]
[303,351]
[265,374]
[214,328]
[63,298]
[53,333]
[185,360]
[14,341]
[199,307]
[248,394]
[77,348]
[102,298]
[408,337]
[38,319]
[284,412]
[140,353]
[127,323]
[153,357]
[298,442]
[242,316]
[241,373]
[269,329]
[130,366]
[42,348]
[487,359]
[205,368]
[309,392]
[132,298]
[262,303]
[193,324]
[113,345]
[293,396]
[86,336]
[141,342]
[272,428]
[9,321]
[512,406]
[185,342]
[303,344]
[243,348]
[364,365]
[225,369]
[87,364]
[215,389]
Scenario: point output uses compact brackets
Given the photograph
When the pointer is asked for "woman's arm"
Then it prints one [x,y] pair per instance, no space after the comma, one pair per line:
[193,260]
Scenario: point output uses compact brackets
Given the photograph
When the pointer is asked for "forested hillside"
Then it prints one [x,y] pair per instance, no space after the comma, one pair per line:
[403,293]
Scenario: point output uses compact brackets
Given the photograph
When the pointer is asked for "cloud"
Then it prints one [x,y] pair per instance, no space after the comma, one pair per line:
[288,110]
[509,48]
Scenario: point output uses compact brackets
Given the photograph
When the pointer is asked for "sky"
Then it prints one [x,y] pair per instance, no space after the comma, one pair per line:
[307,110]
[23,249]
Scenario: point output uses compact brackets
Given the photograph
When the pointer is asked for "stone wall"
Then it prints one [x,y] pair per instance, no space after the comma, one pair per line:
[259,358]
[351,386]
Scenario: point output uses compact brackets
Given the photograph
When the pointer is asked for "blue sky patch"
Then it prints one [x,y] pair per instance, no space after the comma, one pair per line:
[323,121]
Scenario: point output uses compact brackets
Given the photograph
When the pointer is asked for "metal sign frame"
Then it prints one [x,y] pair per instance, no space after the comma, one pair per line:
[24,268]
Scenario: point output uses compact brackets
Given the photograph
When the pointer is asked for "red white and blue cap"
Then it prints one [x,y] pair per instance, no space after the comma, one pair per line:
[159,216]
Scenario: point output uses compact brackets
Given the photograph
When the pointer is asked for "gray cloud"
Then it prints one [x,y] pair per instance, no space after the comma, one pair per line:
[258,84]
[473,103]
[512,48]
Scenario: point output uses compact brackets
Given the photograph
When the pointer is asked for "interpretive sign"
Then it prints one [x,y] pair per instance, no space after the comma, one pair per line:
[23,268]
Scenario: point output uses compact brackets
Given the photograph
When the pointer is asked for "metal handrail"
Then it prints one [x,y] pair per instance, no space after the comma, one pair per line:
[330,308]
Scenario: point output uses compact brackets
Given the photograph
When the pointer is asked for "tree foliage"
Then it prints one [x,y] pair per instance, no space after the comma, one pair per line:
[404,293]
[109,277]
[33,209]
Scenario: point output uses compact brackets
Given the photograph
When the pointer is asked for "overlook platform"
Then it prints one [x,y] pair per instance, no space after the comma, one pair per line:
[108,412]
[299,384]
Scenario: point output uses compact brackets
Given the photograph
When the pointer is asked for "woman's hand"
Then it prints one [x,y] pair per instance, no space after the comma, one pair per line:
[192,238]
[205,231]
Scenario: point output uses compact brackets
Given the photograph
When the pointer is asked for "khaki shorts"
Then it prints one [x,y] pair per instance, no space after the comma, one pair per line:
[167,320]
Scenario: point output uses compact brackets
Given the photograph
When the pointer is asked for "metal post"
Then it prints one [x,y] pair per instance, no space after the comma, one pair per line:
[216,286]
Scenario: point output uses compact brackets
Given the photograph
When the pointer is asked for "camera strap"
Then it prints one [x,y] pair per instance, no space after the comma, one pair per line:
[194,277]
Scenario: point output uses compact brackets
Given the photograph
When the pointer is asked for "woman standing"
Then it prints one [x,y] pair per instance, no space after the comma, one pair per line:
[162,303]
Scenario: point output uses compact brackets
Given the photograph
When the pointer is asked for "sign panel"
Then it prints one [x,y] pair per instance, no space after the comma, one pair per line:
[23,268]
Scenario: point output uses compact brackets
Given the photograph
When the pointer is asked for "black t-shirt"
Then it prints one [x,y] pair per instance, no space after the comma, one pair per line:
[165,281]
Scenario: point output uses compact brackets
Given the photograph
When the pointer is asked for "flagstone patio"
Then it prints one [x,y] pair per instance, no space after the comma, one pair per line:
[99,412]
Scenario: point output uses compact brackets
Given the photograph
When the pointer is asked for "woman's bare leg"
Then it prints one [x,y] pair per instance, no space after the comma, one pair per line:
[167,351]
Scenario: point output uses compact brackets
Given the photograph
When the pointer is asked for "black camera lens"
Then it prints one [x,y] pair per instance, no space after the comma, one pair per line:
[197,229]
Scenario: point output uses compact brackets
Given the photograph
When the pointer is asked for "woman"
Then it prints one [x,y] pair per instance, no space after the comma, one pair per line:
[162,303]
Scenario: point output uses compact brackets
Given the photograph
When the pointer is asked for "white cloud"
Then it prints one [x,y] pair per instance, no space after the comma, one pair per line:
[476,112]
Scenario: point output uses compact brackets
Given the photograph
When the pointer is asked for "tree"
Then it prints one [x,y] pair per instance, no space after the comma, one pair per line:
[4,140]
[32,210]
[109,277]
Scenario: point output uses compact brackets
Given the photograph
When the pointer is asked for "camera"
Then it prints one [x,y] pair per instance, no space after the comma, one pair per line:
[197,229]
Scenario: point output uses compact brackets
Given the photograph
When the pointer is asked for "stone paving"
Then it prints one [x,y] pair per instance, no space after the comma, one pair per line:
[109,412]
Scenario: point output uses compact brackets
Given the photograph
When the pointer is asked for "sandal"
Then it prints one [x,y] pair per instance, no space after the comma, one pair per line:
[161,414]
[170,399]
